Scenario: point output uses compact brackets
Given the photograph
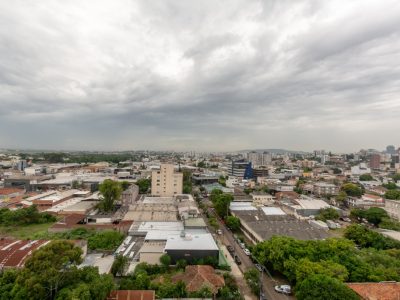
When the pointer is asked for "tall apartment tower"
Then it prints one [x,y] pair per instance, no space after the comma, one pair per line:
[165,182]
[375,161]
[255,158]
[266,158]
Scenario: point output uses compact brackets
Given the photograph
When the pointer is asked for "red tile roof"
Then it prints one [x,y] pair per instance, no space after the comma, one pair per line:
[377,290]
[195,277]
[131,295]
[8,191]
[13,253]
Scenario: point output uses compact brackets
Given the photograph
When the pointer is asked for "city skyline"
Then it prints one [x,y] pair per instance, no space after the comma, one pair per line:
[207,76]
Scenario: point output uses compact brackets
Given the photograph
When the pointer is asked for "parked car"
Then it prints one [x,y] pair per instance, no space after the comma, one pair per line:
[237,260]
[284,289]
[262,296]
[230,249]
[258,267]
[247,252]
[219,231]
[242,245]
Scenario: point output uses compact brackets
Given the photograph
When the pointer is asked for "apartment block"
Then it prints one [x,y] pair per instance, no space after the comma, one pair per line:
[165,182]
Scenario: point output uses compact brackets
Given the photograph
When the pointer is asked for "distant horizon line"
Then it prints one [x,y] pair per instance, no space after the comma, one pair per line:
[284,150]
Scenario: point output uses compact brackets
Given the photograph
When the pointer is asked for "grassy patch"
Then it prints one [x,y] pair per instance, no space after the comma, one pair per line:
[25,232]
[338,233]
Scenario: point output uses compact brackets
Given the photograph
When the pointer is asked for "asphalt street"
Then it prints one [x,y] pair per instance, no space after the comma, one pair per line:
[268,282]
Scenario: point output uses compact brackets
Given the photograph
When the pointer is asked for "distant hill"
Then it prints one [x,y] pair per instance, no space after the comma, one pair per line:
[275,151]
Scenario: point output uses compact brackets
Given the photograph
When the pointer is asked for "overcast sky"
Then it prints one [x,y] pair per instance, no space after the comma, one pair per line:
[199,75]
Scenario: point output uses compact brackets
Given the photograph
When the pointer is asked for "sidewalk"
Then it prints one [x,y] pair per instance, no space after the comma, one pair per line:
[237,274]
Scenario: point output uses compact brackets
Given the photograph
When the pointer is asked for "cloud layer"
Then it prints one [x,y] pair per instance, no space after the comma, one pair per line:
[199,75]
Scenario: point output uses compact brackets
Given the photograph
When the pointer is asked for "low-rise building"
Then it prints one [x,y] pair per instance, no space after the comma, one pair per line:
[191,246]
[8,193]
[376,290]
[199,276]
[130,195]
[305,206]
[261,224]
[366,201]
[131,295]
[260,199]
[392,207]
[323,189]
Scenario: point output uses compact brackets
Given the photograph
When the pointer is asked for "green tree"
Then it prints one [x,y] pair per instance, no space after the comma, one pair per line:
[230,291]
[214,223]
[352,190]
[253,280]
[305,268]
[233,223]
[125,185]
[392,194]
[366,177]
[367,238]
[222,180]
[203,293]
[328,214]
[221,204]
[187,182]
[214,194]
[181,263]
[110,191]
[337,171]
[341,197]
[105,240]
[390,186]
[322,287]
[396,177]
[76,184]
[387,223]
[375,215]
[165,260]
[201,164]
[119,265]
[144,185]
[51,273]
[247,191]
[24,216]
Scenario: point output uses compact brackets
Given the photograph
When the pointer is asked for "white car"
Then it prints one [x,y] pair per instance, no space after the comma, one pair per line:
[242,245]
[284,289]
[247,252]
[219,231]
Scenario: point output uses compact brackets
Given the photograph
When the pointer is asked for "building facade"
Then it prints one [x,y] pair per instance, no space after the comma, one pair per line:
[322,189]
[165,182]
[241,169]
[375,161]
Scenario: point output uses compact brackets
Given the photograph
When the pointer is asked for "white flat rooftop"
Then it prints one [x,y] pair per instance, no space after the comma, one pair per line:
[312,204]
[157,200]
[273,211]
[242,206]
[203,241]
[160,226]
[160,235]
[64,204]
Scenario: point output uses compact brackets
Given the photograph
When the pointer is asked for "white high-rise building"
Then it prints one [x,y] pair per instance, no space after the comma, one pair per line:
[165,182]
[255,158]
[266,158]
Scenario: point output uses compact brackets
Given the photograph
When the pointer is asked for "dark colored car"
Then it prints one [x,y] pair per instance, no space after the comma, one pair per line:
[230,249]
[237,260]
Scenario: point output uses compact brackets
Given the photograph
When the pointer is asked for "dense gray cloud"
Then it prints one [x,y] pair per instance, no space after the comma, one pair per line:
[205,75]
